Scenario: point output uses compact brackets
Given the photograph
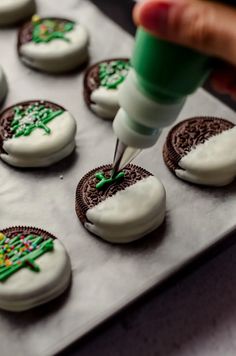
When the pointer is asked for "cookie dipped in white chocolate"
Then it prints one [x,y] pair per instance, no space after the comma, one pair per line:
[121,211]
[38,134]
[129,214]
[34,268]
[212,162]
[202,150]
[14,11]
[53,45]
[101,84]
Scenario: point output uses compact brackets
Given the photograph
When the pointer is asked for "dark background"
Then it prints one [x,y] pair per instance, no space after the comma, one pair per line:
[121,12]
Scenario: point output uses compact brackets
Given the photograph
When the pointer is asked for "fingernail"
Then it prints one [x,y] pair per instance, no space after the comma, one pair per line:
[154,16]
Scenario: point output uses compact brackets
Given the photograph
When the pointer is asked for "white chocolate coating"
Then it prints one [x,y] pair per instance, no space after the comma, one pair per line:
[39,162]
[27,289]
[212,162]
[40,149]
[129,214]
[105,102]
[13,11]
[3,85]
[57,55]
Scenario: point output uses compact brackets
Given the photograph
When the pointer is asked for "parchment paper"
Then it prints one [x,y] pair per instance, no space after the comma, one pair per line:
[105,277]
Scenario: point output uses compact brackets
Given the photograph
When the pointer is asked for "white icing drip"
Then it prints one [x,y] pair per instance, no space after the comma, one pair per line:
[12,11]
[105,102]
[58,55]
[212,162]
[130,214]
[42,149]
[26,289]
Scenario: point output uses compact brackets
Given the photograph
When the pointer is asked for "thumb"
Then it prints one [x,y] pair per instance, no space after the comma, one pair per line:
[205,26]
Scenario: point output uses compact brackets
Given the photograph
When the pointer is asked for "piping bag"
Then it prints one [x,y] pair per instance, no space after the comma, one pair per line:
[163,74]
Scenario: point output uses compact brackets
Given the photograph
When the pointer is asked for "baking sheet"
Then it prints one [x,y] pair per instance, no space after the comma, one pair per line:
[105,277]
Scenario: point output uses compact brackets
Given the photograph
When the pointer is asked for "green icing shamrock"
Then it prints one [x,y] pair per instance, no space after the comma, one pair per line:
[108,181]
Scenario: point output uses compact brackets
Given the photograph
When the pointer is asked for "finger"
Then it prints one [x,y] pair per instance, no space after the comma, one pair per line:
[223,80]
[205,26]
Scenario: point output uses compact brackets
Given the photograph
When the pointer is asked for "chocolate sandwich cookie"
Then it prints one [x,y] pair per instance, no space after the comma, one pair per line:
[53,44]
[101,84]
[34,268]
[123,208]
[202,150]
[36,133]
[15,11]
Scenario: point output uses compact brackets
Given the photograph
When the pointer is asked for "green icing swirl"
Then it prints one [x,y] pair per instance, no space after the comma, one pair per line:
[112,74]
[108,181]
[35,116]
[47,30]
[21,251]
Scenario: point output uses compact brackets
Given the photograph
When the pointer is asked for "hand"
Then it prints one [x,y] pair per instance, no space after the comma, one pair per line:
[205,26]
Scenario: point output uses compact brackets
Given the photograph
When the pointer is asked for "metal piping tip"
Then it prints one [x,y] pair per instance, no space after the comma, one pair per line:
[123,156]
